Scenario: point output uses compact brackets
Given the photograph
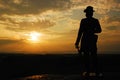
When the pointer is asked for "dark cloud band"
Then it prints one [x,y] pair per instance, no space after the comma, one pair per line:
[32,6]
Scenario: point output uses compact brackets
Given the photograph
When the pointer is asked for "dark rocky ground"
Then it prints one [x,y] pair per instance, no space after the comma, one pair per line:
[55,67]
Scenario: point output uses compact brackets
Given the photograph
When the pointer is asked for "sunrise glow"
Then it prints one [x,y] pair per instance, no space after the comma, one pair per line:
[34,37]
[34,26]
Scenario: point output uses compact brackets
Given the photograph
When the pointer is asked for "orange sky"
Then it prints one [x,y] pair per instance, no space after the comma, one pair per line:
[50,26]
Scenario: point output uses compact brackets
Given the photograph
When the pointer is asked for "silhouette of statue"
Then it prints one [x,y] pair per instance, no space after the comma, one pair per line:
[89,26]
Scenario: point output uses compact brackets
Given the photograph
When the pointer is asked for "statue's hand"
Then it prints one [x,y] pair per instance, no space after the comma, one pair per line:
[76,46]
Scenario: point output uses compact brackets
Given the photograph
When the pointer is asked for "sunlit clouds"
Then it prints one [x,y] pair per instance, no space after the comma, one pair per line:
[51,25]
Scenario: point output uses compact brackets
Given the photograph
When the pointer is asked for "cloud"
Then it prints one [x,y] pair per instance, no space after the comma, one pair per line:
[26,22]
[113,16]
[38,22]
[32,6]
[17,1]
[100,6]
[110,21]
[8,41]
[21,15]
[38,6]
[113,28]
[77,14]
[27,26]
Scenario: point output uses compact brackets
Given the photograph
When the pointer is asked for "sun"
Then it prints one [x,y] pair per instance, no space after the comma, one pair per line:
[34,37]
